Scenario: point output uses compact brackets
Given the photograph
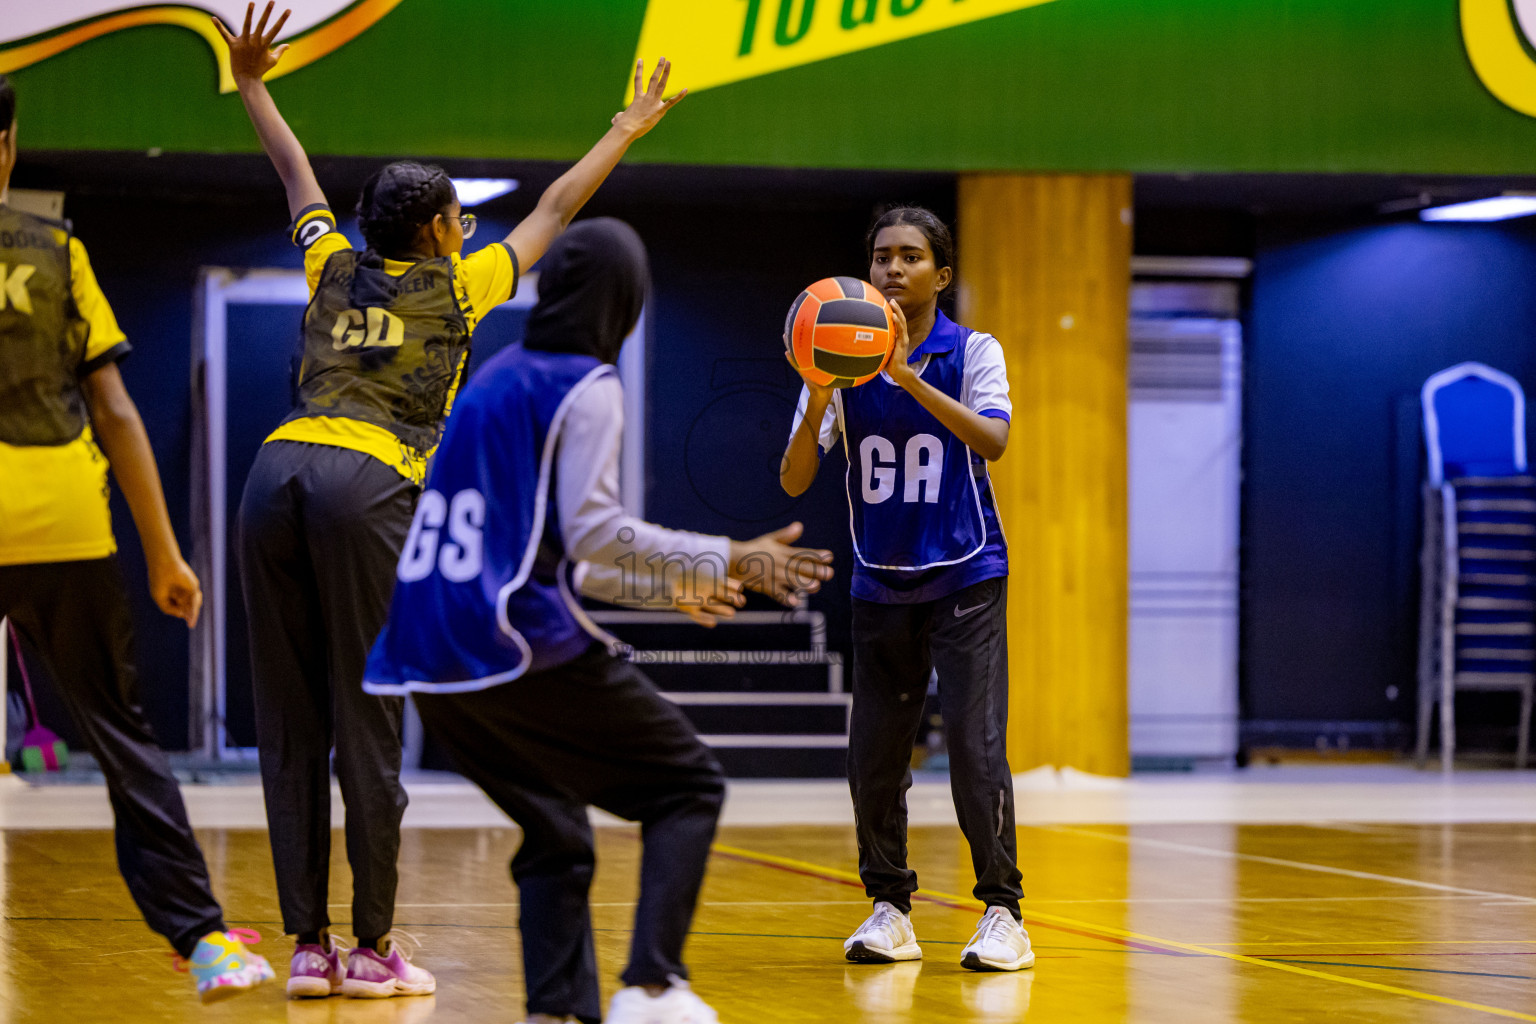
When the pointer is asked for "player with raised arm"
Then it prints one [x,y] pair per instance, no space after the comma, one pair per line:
[330,497]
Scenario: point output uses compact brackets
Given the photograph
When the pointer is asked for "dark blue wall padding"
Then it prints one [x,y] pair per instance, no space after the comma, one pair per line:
[1345,326]
[720,399]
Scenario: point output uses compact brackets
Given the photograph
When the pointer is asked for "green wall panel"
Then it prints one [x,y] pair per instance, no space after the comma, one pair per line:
[1134,85]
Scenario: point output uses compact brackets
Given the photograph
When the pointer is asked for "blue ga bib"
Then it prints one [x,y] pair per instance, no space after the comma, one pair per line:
[917,494]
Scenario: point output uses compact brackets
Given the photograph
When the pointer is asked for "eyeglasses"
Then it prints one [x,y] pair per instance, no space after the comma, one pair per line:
[468,222]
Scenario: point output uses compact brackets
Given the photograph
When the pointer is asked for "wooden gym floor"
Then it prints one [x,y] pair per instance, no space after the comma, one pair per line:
[1183,923]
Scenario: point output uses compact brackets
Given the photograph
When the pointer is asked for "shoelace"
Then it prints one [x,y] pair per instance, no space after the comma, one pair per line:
[992,926]
[408,951]
[337,946]
[245,936]
[886,919]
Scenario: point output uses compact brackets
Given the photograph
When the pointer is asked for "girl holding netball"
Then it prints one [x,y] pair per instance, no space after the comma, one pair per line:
[330,498]
[929,587]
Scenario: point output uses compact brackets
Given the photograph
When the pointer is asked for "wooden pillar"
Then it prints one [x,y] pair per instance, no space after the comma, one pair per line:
[1044,264]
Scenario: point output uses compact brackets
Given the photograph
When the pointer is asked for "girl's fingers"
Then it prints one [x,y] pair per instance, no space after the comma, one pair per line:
[277,54]
[261,26]
[656,74]
[639,79]
[250,11]
[667,105]
[229,37]
[276,29]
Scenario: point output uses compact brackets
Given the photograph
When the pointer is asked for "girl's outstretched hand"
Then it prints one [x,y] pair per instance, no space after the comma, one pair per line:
[771,565]
[648,106]
[250,53]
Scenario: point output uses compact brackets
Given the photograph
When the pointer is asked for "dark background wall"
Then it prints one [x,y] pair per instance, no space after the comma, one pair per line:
[1347,317]
[729,253]
[1345,325]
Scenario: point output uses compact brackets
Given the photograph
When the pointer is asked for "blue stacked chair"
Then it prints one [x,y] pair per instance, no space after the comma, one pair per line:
[1478,609]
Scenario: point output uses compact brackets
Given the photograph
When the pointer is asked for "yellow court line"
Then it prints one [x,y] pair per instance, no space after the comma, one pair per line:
[834,874]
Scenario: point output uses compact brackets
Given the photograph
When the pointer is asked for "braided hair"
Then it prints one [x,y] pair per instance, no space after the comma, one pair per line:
[397,201]
[940,241]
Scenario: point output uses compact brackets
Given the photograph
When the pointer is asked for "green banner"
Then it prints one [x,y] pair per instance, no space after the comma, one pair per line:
[1411,86]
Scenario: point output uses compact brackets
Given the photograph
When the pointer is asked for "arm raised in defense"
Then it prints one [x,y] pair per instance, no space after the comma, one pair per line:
[251,56]
[564,199]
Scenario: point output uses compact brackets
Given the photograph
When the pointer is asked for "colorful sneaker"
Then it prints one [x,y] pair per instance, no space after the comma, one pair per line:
[677,1005]
[1000,944]
[223,967]
[885,937]
[314,972]
[372,976]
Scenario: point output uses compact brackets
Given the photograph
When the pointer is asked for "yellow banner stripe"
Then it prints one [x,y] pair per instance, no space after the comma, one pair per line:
[305,49]
[331,36]
[1106,931]
[1497,55]
[727,41]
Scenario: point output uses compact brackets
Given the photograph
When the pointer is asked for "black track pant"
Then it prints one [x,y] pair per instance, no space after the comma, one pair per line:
[320,533]
[592,731]
[75,615]
[895,646]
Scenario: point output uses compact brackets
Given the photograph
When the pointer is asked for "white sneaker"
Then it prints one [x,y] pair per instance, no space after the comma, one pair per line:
[677,1005]
[885,937]
[1000,944]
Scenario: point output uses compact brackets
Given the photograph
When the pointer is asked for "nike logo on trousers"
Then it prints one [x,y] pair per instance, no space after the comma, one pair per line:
[961,613]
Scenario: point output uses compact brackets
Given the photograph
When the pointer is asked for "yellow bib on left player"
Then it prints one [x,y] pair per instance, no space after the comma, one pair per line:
[55,328]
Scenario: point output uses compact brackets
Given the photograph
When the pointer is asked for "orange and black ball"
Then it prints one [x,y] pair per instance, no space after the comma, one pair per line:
[839,332]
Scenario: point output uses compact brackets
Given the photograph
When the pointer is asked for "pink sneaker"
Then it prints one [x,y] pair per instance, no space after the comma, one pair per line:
[371,976]
[315,973]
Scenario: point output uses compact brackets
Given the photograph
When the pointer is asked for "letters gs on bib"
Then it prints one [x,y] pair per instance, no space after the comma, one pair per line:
[922,465]
[458,555]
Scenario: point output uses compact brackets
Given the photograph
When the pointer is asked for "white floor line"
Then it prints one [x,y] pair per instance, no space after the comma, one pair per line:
[1365,798]
[1300,865]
